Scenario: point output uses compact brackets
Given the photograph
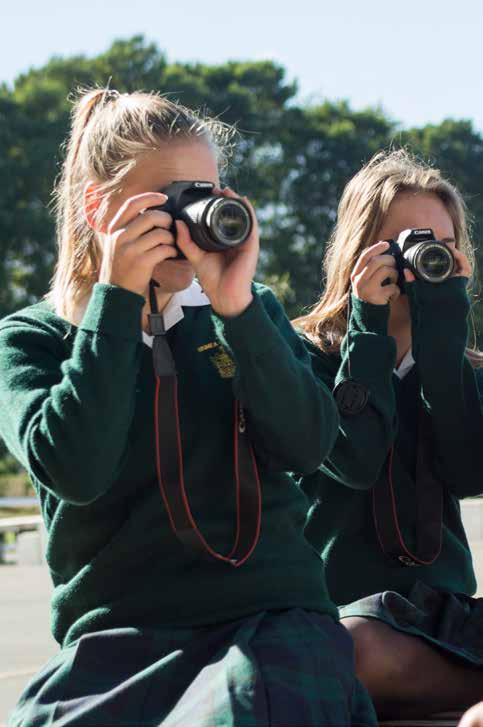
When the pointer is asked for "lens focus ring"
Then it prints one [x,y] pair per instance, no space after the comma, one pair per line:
[228,221]
[431,261]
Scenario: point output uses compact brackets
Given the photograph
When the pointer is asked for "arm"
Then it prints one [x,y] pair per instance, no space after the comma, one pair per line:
[292,416]
[363,440]
[67,421]
[450,390]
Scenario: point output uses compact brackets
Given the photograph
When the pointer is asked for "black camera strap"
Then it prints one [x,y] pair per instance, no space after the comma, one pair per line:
[428,510]
[169,459]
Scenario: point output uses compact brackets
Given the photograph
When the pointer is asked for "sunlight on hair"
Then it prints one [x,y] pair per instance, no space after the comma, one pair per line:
[109,133]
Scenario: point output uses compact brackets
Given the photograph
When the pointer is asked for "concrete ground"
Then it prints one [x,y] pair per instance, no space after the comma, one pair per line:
[25,640]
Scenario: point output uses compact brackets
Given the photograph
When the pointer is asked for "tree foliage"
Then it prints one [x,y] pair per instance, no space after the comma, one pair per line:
[292,160]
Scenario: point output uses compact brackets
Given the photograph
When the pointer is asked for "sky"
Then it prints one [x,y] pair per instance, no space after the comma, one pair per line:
[421,60]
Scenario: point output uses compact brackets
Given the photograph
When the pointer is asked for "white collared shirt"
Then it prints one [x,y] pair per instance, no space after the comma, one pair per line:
[194,296]
[406,365]
[173,313]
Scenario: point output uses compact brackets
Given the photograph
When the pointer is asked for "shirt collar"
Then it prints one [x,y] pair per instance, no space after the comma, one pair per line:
[406,365]
[173,312]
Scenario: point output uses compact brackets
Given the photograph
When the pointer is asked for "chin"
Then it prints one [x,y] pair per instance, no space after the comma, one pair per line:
[174,275]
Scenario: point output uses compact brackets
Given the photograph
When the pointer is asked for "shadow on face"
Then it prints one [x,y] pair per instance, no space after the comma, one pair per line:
[173,161]
[410,210]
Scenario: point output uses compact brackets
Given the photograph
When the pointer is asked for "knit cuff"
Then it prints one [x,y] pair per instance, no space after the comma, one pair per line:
[368,317]
[114,311]
[249,334]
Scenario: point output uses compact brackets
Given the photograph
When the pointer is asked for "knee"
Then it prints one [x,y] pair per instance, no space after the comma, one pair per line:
[473,717]
[382,659]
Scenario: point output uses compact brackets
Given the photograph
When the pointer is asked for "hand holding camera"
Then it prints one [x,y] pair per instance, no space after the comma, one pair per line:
[226,271]
[217,221]
[373,268]
[417,252]
[144,233]
[135,243]
[383,269]
[422,258]
[428,305]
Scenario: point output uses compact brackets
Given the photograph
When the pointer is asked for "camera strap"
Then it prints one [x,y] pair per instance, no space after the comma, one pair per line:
[169,459]
[428,510]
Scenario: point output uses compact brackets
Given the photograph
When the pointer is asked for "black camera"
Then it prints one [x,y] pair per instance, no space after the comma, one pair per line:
[216,223]
[419,251]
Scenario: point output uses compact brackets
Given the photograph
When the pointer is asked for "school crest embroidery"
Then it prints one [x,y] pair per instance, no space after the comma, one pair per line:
[220,359]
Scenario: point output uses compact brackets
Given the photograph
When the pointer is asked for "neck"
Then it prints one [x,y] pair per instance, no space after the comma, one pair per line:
[162,300]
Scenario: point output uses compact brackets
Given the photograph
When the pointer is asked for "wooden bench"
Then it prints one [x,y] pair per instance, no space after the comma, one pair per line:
[30,536]
[20,523]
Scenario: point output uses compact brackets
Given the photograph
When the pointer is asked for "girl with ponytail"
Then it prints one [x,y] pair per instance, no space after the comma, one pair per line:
[158,416]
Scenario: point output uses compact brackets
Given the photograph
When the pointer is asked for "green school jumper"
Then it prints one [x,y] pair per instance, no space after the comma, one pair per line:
[141,620]
[431,601]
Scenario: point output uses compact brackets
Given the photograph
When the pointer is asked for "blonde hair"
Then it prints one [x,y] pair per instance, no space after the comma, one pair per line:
[361,214]
[109,132]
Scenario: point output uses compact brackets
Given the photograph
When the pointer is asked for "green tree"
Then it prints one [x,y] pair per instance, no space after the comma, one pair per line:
[316,152]
[34,119]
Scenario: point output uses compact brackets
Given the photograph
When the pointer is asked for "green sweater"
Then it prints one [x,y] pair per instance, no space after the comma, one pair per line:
[76,409]
[340,523]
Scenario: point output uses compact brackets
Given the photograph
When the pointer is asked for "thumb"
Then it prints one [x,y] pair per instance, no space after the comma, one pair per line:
[192,252]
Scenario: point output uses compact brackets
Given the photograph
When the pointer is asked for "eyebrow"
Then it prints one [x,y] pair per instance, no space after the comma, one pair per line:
[448,239]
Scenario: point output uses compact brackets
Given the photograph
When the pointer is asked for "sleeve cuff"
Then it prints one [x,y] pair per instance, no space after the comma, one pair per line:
[439,314]
[114,311]
[252,333]
[432,296]
[368,318]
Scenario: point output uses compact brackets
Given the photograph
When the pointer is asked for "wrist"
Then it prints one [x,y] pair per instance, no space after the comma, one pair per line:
[232,308]
[368,317]
[252,333]
[114,281]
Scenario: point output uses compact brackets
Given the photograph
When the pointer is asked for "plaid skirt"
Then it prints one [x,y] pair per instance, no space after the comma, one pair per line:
[289,668]
[452,622]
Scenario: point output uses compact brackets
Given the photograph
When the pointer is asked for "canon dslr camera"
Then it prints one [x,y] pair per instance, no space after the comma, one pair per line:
[216,223]
[419,251]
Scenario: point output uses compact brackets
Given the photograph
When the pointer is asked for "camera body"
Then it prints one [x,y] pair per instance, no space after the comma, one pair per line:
[427,258]
[216,223]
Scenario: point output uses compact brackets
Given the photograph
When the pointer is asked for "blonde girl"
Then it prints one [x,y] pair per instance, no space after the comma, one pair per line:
[184,591]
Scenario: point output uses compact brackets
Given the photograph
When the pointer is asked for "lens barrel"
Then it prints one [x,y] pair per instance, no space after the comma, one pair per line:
[430,261]
[228,221]
[217,223]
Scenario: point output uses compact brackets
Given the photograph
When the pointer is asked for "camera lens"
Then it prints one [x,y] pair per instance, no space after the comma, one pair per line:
[433,262]
[228,221]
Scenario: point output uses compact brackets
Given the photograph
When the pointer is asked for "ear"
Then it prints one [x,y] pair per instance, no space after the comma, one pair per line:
[91,199]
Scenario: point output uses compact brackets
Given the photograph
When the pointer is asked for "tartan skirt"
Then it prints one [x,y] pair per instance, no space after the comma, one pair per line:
[290,668]
[452,622]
